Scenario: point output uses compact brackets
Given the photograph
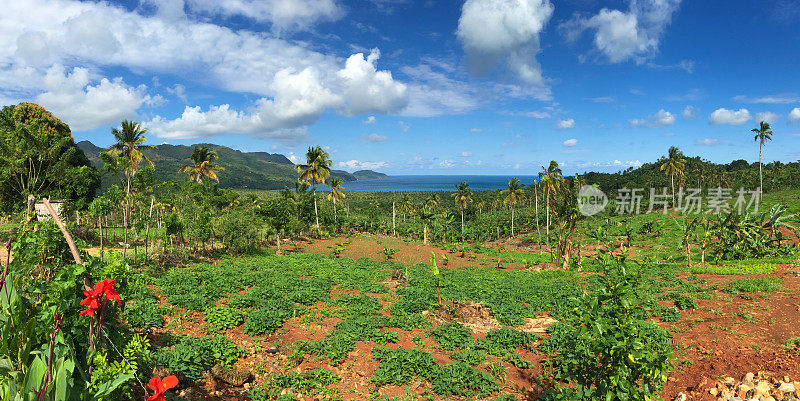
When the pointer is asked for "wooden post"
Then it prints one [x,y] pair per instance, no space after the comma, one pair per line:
[393,219]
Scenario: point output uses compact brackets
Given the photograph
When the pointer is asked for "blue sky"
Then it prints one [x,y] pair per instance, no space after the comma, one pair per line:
[419,87]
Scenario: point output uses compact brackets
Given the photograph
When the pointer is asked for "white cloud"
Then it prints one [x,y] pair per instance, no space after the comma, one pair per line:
[370,120]
[403,126]
[768,117]
[373,137]
[504,32]
[466,153]
[707,142]
[659,120]
[794,115]
[475,130]
[179,91]
[631,35]
[83,106]
[689,113]
[447,163]
[782,98]
[730,117]
[566,124]
[368,90]
[362,165]
[570,142]
[282,14]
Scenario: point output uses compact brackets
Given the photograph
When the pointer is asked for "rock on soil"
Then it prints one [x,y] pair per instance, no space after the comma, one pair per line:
[231,376]
[753,387]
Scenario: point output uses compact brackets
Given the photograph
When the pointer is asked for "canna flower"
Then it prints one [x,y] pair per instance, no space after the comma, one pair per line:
[92,300]
[160,387]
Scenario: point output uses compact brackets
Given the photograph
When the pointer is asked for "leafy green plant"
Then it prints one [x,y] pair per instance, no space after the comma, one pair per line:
[469,356]
[223,318]
[388,253]
[756,285]
[452,335]
[672,314]
[462,380]
[401,365]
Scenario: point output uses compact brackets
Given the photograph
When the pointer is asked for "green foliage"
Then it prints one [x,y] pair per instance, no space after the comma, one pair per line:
[468,356]
[756,285]
[400,366]
[507,338]
[193,355]
[607,351]
[462,380]
[239,231]
[266,320]
[452,335]
[107,369]
[682,301]
[223,318]
[312,382]
[672,314]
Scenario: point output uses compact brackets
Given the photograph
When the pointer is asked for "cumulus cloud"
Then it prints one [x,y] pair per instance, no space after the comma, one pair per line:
[373,137]
[179,91]
[566,124]
[768,117]
[794,115]
[504,33]
[689,113]
[83,106]
[730,117]
[370,120]
[362,165]
[466,153]
[570,142]
[707,142]
[625,35]
[659,120]
[282,14]
[293,84]
[368,90]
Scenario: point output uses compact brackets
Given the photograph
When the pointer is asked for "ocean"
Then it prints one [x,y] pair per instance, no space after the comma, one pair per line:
[405,183]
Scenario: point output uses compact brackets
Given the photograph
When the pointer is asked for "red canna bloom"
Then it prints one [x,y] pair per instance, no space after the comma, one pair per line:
[160,387]
[92,300]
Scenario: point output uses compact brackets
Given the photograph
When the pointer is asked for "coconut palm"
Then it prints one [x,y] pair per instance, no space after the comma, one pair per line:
[462,197]
[514,194]
[336,193]
[202,165]
[316,170]
[129,145]
[426,216]
[674,164]
[551,179]
[763,134]
[432,201]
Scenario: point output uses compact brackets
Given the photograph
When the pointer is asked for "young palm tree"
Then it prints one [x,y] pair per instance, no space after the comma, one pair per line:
[674,164]
[129,144]
[513,194]
[203,167]
[336,194]
[763,134]
[316,170]
[462,197]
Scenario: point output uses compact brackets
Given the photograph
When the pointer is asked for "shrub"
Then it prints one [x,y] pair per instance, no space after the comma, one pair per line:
[682,301]
[671,315]
[264,321]
[193,355]
[238,231]
[462,380]
[401,365]
[143,314]
[224,318]
[468,356]
[606,350]
[451,335]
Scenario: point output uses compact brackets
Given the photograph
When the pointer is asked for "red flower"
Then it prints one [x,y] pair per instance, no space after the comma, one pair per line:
[92,300]
[160,387]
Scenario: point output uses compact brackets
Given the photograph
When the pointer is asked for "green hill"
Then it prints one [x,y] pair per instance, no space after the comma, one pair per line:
[256,170]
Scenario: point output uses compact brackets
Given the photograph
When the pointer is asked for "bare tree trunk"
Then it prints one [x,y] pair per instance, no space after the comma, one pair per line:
[425,234]
[760,175]
[278,241]
[536,211]
[512,221]
[125,217]
[316,214]
[394,215]
[462,225]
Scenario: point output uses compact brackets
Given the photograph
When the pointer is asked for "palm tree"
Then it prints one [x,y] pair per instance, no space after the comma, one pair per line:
[551,178]
[673,164]
[203,167]
[316,170]
[513,194]
[432,201]
[336,193]
[763,134]
[129,145]
[462,197]
[426,216]
[406,206]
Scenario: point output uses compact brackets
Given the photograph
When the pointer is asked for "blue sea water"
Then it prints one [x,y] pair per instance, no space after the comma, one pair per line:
[402,183]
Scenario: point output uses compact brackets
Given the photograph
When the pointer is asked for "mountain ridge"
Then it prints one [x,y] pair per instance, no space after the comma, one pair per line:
[243,170]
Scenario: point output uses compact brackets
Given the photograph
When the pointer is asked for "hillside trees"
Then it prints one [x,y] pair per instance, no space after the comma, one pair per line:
[38,157]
